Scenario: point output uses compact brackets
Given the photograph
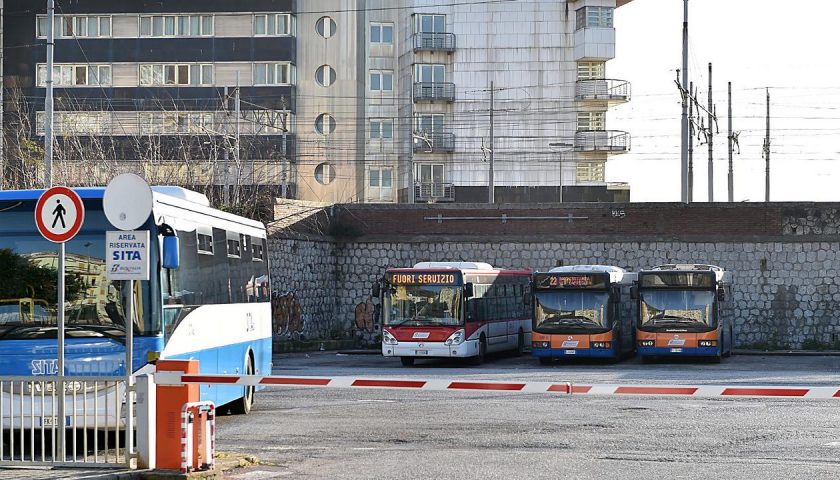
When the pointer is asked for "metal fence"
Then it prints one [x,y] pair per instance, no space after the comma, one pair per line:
[87,428]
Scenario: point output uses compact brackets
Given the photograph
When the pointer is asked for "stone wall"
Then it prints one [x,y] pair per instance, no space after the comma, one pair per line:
[786,291]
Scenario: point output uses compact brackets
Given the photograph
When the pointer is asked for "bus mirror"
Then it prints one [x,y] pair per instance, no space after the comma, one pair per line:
[721,295]
[375,290]
[468,290]
[634,292]
[171,254]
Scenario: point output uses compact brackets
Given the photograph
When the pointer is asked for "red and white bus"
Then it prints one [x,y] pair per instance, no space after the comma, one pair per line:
[454,310]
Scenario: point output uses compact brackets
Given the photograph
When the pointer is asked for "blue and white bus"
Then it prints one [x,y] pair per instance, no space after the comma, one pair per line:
[215,307]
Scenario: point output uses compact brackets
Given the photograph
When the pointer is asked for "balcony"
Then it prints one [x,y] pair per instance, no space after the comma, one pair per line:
[436,142]
[434,192]
[610,141]
[434,91]
[434,42]
[602,90]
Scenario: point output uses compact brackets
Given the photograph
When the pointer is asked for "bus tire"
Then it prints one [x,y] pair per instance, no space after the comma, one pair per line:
[482,352]
[243,405]
[545,360]
[520,344]
[407,361]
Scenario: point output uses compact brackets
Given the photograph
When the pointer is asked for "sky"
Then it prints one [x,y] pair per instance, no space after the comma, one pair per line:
[754,44]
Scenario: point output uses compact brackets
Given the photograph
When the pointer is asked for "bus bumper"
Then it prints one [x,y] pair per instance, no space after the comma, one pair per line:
[574,352]
[678,351]
[438,349]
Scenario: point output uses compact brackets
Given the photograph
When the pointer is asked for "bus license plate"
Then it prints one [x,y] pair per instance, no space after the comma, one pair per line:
[421,352]
[571,352]
[53,421]
[676,350]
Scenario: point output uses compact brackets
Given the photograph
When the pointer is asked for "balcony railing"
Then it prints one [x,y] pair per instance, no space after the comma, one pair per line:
[602,141]
[434,42]
[612,91]
[434,192]
[436,142]
[434,91]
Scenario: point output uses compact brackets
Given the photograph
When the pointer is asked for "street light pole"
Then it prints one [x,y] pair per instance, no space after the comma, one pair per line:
[560,163]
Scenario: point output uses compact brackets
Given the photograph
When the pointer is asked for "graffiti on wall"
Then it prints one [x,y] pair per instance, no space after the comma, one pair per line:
[365,314]
[286,315]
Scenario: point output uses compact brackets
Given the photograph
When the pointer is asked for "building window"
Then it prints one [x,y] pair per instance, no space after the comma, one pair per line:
[600,17]
[381,129]
[273,74]
[176,25]
[324,173]
[590,172]
[590,70]
[325,124]
[381,80]
[424,72]
[430,123]
[430,24]
[273,24]
[172,74]
[591,120]
[76,75]
[325,26]
[380,184]
[177,123]
[325,75]
[87,26]
[382,33]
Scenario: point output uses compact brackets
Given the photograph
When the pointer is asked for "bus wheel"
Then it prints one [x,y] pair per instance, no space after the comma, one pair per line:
[482,352]
[243,405]
[545,360]
[407,361]
[520,344]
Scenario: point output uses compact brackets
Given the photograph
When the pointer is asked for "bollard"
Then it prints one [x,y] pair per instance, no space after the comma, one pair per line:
[170,401]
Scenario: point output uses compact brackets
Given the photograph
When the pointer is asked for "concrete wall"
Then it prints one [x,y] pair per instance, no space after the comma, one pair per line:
[784,257]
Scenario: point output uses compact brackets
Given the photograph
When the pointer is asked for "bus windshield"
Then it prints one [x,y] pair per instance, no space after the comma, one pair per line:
[94,306]
[677,309]
[560,311]
[423,305]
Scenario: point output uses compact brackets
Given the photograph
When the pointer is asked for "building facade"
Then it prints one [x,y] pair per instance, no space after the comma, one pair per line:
[196,92]
[426,96]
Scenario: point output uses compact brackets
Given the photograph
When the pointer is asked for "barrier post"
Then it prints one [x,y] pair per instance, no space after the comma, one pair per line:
[146,415]
[170,401]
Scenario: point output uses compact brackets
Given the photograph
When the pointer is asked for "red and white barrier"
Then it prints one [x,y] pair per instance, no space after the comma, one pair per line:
[190,413]
[704,391]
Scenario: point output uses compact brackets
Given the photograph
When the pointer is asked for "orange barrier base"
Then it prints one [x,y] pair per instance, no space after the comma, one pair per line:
[170,401]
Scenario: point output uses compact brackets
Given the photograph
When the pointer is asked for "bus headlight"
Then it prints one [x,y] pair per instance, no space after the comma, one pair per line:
[388,339]
[541,344]
[456,338]
[600,344]
[707,343]
[646,343]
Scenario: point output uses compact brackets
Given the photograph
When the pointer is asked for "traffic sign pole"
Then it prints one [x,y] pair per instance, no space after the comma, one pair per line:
[62,394]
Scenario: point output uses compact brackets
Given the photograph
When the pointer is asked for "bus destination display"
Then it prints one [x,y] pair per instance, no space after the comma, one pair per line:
[429,278]
[677,279]
[552,280]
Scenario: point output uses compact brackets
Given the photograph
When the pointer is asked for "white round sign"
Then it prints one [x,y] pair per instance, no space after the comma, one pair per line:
[127,202]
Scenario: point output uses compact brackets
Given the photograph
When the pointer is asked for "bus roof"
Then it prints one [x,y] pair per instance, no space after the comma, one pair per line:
[721,275]
[455,265]
[617,274]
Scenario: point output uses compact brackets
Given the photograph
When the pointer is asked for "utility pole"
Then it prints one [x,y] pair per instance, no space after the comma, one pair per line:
[691,143]
[48,103]
[684,125]
[711,141]
[226,166]
[491,187]
[284,189]
[237,112]
[2,139]
[729,137]
[767,152]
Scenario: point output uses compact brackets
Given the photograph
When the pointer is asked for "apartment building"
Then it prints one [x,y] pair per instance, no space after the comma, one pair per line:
[198,92]
[427,95]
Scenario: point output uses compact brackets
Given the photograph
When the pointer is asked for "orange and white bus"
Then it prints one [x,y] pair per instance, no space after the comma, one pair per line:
[579,311]
[454,310]
[683,311]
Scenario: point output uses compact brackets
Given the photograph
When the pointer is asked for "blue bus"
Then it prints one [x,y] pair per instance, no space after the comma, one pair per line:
[215,307]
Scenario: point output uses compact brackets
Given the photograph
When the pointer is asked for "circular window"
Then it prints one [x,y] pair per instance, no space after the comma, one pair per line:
[325,75]
[325,26]
[324,173]
[325,124]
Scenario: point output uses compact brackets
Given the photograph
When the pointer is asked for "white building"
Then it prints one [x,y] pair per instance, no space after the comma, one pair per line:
[394,101]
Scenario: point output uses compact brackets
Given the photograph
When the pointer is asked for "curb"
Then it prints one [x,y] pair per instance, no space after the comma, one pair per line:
[789,353]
